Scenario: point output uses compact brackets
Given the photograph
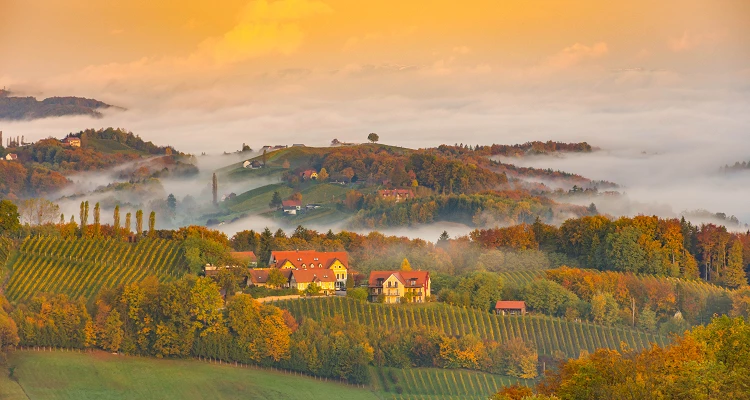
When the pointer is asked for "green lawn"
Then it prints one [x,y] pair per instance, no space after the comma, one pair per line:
[70,375]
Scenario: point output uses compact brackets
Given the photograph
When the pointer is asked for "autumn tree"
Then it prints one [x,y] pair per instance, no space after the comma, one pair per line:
[38,211]
[733,275]
[97,220]
[323,175]
[405,266]
[276,278]
[285,164]
[604,308]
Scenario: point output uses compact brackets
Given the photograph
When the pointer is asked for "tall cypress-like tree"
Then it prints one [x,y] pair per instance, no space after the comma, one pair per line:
[139,222]
[97,219]
[116,223]
[152,224]
[127,222]
[86,212]
[215,189]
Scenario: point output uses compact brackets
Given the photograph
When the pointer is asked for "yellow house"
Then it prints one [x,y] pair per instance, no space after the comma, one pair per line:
[397,286]
[337,262]
[302,279]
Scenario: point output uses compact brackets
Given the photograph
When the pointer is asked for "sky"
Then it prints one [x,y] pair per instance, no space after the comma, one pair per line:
[668,78]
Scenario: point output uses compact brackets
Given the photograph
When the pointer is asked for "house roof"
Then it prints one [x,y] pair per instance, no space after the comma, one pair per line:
[310,276]
[396,192]
[405,277]
[291,203]
[13,156]
[510,305]
[244,255]
[258,275]
[71,139]
[309,172]
[310,258]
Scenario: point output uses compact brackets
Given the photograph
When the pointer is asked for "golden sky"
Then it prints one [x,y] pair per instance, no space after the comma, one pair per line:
[41,39]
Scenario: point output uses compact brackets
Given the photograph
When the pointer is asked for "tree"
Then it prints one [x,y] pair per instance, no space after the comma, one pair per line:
[322,175]
[276,278]
[116,223]
[312,289]
[647,320]
[264,157]
[127,222]
[112,334]
[172,205]
[38,211]
[357,294]
[215,189]
[9,217]
[275,200]
[152,224]
[97,219]
[734,273]
[285,164]
[373,137]
[549,297]
[604,308]
[405,266]
[139,222]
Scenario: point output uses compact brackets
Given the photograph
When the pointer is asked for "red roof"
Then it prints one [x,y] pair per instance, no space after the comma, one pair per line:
[419,278]
[291,203]
[244,255]
[310,276]
[510,305]
[258,275]
[397,192]
[309,258]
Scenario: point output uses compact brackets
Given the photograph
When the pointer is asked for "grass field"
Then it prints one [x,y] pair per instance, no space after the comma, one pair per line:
[77,376]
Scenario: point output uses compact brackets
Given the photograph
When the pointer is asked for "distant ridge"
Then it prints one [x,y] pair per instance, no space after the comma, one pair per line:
[29,108]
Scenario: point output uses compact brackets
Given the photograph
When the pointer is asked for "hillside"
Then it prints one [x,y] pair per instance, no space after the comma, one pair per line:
[81,267]
[29,108]
[70,375]
[550,335]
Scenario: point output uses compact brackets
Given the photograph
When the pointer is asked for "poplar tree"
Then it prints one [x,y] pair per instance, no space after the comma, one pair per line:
[127,222]
[97,219]
[215,189]
[152,223]
[117,217]
[139,222]
[734,273]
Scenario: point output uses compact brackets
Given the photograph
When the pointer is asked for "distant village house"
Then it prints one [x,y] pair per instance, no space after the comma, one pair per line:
[72,141]
[11,157]
[396,194]
[291,206]
[309,174]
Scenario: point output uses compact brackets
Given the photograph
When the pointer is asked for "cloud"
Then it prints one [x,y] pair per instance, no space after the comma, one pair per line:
[690,40]
[575,54]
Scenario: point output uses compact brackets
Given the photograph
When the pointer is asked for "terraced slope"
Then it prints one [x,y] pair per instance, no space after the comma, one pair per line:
[551,335]
[81,267]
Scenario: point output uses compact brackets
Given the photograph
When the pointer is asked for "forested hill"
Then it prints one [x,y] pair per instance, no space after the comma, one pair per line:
[27,108]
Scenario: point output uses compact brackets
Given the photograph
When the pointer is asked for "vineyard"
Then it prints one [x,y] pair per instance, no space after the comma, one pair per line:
[549,334]
[520,278]
[437,383]
[81,267]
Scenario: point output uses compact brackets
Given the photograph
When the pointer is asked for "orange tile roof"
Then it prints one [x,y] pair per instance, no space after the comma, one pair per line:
[244,255]
[510,305]
[310,276]
[404,277]
[291,203]
[310,258]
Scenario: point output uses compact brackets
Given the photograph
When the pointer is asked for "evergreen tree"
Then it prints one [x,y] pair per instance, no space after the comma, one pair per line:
[62,219]
[265,246]
[172,205]
[275,200]
[97,219]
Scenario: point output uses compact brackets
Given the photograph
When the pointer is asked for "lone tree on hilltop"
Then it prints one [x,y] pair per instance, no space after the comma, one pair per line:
[275,200]
[373,137]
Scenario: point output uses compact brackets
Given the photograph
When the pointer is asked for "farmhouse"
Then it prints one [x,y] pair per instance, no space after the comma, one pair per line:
[72,141]
[334,262]
[251,164]
[510,307]
[325,279]
[309,174]
[399,286]
[396,194]
[11,157]
[291,206]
